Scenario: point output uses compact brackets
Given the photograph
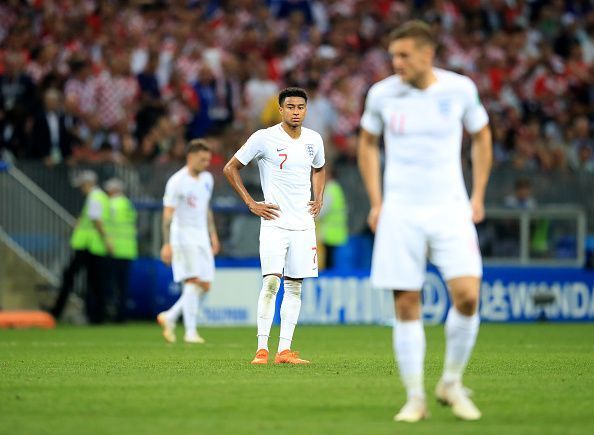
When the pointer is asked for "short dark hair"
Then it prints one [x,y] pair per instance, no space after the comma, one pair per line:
[415,29]
[196,145]
[291,92]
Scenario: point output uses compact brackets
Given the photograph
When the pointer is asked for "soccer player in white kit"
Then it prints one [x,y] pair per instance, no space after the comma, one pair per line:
[286,153]
[424,209]
[190,239]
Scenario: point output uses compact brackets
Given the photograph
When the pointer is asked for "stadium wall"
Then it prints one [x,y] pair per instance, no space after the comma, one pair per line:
[509,294]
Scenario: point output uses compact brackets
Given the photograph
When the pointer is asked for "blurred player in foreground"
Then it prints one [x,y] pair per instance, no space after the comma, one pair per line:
[286,154]
[425,209]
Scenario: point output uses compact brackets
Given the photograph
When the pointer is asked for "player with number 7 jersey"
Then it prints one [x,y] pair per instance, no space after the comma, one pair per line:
[286,154]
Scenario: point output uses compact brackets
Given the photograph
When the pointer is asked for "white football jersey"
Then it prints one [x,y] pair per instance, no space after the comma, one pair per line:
[285,170]
[423,135]
[190,196]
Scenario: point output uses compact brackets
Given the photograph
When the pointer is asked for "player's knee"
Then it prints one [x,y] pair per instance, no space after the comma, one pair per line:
[271,284]
[467,304]
[293,287]
[408,305]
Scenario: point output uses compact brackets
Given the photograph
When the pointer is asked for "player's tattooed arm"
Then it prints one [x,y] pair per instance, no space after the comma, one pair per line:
[212,231]
[166,252]
[318,182]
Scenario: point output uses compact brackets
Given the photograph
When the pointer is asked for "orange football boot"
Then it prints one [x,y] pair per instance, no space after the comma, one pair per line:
[289,357]
[261,357]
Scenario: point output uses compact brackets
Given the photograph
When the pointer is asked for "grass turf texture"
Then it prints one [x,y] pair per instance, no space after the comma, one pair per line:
[528,379]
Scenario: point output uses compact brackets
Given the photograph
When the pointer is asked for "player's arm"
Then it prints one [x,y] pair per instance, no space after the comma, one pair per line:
[212,231]
[166,252]
[231,171]
[368,157]
[318,182]
[482,158]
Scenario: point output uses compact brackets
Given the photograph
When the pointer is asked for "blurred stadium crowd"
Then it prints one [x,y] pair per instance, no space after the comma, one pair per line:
[129,81]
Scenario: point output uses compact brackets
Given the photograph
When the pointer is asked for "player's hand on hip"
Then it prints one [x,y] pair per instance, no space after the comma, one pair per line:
[166,253]
[373,217]
[265,210]
[315,207]
[478,210]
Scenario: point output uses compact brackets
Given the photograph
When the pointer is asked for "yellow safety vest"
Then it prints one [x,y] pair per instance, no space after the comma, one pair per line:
[96,244]
[85,236]
[121,228]
[333,225]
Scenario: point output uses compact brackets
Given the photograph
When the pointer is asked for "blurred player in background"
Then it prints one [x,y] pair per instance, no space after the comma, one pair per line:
[286,154]
[190,239]
[425,208]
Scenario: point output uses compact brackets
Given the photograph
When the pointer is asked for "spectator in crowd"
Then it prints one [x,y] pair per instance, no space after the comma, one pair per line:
[258,90]
[321,114]
[533,63]
[50,139]
[581,144]
[522,196]
[17,100]
[121,227]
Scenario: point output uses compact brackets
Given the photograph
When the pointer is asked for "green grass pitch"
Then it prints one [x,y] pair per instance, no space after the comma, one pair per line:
[528,379]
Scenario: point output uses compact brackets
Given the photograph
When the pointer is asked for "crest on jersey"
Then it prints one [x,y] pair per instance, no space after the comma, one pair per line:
[444,106]
[309,149]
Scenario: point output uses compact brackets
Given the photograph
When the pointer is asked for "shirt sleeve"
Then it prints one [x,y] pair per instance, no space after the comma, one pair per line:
[95,209]
[252,149]
[171,196]
[372,117]
[475,116]
[209,184]
[319,159]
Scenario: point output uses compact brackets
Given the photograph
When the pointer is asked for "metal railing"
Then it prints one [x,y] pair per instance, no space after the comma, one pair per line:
[553,235]
[507,237]
[35,222]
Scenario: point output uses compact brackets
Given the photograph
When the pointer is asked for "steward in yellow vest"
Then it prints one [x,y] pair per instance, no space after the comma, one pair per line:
[121,229]
[91,246]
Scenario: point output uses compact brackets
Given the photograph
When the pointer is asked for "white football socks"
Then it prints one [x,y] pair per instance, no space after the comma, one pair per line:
[409,350]
[289,312]
[175,311]
[461,332]
[266,305]
[190,303]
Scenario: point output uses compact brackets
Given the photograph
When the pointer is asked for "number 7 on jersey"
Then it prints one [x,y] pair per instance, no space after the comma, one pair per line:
[284,160]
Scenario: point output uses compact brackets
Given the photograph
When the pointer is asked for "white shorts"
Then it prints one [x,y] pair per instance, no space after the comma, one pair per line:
[290,253]
[192,261]
[407,235]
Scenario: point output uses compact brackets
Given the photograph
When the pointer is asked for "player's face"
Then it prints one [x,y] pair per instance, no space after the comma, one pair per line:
[199,161]
[293,111]
[411,60]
